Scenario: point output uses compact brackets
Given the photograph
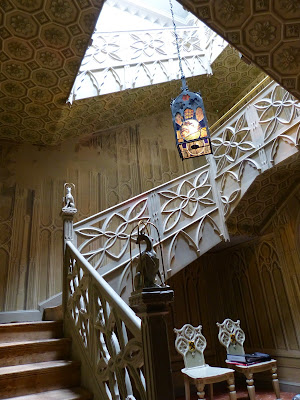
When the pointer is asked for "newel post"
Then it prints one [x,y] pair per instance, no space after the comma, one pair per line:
[68,211]
[150,302]
[151,305]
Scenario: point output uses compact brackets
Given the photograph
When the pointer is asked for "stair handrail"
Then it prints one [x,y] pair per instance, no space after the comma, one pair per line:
[125,312]
[106,331]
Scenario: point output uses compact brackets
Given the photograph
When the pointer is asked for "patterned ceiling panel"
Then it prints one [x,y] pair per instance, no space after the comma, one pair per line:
[43,42]
[266,194]
[267,32]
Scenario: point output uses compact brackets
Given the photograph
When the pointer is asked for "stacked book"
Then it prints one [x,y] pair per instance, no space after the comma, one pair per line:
[248,359]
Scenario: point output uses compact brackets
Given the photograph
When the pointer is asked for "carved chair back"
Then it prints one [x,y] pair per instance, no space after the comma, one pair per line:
[231,336]
[190,343]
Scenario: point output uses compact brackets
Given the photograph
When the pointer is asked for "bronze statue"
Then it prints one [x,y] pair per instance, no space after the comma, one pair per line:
[148,265]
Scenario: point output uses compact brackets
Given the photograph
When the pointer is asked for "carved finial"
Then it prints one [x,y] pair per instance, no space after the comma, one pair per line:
[68,199]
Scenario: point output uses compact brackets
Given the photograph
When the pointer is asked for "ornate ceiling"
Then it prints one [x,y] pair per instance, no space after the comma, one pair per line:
[34,91]
[267,32]
[44,42]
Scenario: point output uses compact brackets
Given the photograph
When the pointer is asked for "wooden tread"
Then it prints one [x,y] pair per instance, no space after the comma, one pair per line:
[34,363]
[17,380]
[28,352]
[28,331]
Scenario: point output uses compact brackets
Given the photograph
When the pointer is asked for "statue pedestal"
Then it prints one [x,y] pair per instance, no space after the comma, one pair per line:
[151,305]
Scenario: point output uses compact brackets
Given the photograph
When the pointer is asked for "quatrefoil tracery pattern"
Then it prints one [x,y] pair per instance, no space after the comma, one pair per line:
[230,332]
[187,334]
[232,143]
[186,200]
[110,241]
[276,110]
[117,359]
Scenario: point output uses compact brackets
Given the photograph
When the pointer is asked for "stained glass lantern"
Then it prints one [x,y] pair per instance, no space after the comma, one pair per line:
[189,119]
[190,124]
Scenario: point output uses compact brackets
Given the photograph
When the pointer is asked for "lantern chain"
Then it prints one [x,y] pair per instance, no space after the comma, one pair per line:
[177,42]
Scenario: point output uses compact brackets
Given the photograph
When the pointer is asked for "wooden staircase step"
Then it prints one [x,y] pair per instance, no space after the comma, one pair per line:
[20,380]
[61,394]
[29,331]
[28,352]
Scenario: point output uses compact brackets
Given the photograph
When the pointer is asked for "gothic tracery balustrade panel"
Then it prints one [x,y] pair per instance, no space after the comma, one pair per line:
[232,142]
[122,60]
[261,134]
[110,338]
[182,206]
[121,48]
[266,117]
[105,238]
[184,200]
[276,110]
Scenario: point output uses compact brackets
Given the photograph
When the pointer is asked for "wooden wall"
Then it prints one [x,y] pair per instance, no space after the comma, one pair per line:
[106,168]
[257,282]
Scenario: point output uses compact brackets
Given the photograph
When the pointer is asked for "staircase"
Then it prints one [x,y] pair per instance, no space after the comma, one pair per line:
[35,363]
[191,214]
[191,211]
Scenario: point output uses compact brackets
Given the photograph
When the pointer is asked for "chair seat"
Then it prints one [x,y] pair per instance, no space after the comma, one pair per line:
[206,371]
[258,367]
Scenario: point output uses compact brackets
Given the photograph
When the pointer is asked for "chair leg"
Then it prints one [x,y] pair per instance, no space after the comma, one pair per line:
[211,391]
[231,387]
[275,382]
[250,386]
[187,388]
[200,390]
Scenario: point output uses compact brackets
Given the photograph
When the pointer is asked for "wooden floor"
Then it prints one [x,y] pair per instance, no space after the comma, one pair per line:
[243,395]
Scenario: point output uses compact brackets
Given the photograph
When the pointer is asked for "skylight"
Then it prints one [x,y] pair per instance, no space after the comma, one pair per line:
[134,46]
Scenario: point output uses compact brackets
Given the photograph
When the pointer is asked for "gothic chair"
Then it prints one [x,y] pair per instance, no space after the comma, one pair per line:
[232,337]
[190,343]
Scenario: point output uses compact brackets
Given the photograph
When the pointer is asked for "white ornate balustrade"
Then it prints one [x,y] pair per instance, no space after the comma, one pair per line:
[260,135]
[123,60]
[107,330]
[187,212]
[190,211]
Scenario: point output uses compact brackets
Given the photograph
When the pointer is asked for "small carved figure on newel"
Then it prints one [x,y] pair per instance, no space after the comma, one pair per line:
[148,265]
[68,199]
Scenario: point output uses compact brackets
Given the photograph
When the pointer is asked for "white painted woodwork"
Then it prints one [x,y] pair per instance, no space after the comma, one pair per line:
[119,58]
[232,337]
[105,330]
[190,343]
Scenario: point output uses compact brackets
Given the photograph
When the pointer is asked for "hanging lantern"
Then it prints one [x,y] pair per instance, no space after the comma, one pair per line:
[190,125]
[189,118]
